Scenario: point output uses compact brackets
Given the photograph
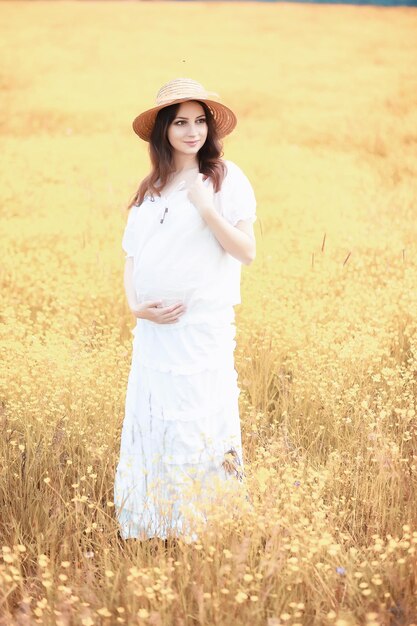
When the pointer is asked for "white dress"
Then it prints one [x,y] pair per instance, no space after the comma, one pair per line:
[181,429]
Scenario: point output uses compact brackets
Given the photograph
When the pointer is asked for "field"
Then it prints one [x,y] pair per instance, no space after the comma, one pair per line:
[326,100]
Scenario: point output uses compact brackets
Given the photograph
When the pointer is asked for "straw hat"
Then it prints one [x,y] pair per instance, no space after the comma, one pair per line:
[180,90]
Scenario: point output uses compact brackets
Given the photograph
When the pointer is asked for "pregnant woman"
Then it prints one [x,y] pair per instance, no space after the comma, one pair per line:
[189,229]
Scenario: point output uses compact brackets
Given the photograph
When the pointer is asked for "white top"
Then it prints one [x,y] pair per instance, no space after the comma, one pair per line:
[181,259]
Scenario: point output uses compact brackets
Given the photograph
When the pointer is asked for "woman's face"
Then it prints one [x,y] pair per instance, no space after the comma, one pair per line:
[188,130]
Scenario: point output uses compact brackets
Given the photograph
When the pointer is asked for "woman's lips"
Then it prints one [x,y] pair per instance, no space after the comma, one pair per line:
[191,143]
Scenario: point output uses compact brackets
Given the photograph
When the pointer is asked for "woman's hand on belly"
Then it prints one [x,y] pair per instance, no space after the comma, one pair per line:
[154,312]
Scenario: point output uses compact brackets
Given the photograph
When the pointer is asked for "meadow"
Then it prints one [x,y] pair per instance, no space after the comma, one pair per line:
[326,100]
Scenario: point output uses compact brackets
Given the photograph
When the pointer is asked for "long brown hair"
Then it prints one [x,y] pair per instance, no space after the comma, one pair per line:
[161,154]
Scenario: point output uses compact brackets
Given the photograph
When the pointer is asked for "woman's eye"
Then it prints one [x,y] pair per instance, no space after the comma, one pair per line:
[181,121]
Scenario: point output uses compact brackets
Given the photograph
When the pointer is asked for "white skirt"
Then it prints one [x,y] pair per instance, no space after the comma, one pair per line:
[181,439]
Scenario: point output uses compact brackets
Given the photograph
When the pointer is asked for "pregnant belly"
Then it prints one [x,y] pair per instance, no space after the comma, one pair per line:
[175,268]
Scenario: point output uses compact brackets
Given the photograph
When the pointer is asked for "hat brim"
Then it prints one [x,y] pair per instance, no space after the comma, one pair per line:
[224,118]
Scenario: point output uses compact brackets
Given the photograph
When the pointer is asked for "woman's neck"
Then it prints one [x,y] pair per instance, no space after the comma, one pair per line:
[185,162]
[186,171]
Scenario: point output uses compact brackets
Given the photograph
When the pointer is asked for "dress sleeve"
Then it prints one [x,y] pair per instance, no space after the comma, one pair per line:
[239,199]
[128,239]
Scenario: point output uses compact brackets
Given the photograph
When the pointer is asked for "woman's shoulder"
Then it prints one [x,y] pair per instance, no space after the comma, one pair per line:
[132,213]
[231,167]
[235,176]
[237,196]
[233,170]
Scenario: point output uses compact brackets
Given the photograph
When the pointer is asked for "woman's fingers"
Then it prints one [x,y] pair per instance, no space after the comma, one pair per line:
[165,309]
[169,318]
[172,314]
[169,311]
[168,314]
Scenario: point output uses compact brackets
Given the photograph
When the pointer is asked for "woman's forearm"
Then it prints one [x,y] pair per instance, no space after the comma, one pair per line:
[236,242]
[128,283]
